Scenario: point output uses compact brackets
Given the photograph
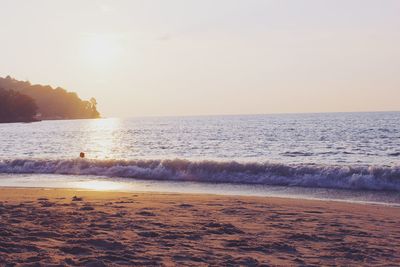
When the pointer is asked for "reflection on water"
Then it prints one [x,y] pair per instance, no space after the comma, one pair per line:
[98,185]
[102,137]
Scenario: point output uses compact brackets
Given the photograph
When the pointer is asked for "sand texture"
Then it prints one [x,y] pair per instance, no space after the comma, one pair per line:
[53,228]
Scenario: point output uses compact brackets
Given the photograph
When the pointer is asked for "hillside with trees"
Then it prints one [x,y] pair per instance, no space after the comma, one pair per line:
[16,107]
[53,103]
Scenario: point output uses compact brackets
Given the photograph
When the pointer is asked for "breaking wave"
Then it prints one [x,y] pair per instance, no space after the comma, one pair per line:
[303,175]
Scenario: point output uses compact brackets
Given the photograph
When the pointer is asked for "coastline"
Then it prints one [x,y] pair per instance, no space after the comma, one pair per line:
[100,183]
[49,226]
[21,121]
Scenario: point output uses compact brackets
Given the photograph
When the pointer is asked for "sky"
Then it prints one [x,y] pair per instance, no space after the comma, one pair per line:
[187,57]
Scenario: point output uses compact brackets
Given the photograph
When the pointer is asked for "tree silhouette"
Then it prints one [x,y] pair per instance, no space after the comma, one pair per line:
[16,107]
[54,103]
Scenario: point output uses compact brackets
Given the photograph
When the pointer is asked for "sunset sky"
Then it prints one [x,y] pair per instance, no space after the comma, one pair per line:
[189,57]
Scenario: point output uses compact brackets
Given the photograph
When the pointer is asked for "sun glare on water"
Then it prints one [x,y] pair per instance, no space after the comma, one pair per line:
[99,185]
[103,138]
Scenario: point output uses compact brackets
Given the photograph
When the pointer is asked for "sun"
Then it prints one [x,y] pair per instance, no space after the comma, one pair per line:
[100,50]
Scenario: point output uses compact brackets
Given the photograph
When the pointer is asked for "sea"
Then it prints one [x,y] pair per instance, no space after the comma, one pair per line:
[352,157]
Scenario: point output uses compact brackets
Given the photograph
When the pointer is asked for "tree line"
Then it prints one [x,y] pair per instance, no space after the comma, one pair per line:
[51,103]
[16,107]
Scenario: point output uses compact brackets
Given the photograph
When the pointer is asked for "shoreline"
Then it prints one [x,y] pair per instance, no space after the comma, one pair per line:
[91,182]
[121,191]
[82,227]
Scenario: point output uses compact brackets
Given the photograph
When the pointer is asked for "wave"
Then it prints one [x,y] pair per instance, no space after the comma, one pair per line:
[303,175]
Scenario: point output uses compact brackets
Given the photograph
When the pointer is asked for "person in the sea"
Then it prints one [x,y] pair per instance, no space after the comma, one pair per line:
[82,155]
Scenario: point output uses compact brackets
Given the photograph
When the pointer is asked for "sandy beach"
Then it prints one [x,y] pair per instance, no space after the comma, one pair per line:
[62,227]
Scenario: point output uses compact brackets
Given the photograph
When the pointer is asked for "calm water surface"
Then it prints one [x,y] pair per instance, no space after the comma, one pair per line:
[337,138]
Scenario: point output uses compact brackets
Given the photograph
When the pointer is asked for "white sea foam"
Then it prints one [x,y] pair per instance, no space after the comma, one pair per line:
[303,175]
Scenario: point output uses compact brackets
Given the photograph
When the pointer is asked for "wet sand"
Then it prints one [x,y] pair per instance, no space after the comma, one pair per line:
[60,227]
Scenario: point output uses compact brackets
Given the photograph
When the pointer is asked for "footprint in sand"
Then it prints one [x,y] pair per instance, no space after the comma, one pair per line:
[145,213]
[75,198]
[87,207]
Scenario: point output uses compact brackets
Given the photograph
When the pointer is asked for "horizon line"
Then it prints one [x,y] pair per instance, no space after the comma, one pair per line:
[248,114]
